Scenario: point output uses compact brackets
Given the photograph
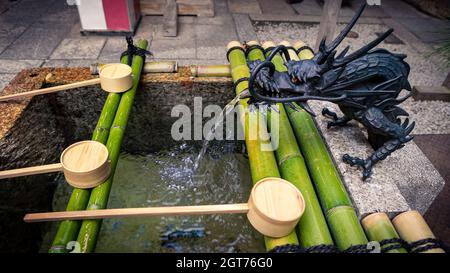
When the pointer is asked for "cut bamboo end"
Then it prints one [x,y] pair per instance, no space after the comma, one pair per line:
[299,44]
[116,78]
[85,164]
[371,219]
[412,227]
[211,70]
[234,44]
[285,43]
[268,44]
[306,53]
[378,227]
[275,207]
[149,67]
[292,53]
[252,43]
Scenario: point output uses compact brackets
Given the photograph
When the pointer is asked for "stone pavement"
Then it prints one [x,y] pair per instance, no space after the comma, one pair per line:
[46,32]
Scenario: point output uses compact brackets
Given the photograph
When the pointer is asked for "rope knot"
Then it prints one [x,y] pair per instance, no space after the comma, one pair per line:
[134,50]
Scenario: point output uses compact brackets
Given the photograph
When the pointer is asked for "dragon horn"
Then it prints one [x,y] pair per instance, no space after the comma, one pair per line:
[323,54]
[342,54]
[363,50]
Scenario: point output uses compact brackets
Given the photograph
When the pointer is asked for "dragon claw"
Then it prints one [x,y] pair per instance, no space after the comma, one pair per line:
[365,164]
[366,173]
[330,124]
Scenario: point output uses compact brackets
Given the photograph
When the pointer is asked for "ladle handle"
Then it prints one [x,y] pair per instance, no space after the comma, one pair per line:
[31,170]
[51,89]
[136,212]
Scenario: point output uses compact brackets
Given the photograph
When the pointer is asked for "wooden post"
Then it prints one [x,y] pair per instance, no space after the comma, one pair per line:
[328,21]
[170,18]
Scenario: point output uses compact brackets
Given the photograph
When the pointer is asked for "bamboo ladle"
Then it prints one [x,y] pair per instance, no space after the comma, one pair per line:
[114,78]
[85,165]
[274,209]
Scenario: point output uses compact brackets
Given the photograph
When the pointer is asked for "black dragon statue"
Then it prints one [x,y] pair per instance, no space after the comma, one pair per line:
[365,84]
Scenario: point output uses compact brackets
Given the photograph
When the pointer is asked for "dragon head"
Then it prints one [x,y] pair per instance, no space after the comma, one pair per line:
[309,79]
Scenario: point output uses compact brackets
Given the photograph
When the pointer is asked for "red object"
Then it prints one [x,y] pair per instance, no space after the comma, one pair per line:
[116,14]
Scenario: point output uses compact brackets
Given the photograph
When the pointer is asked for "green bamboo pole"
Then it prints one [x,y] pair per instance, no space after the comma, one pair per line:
[312,229]
[378,227]
[336,204]
[68,230]
[262,163]
[87,237]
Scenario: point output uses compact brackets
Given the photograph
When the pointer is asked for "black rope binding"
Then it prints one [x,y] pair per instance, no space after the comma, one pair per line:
[356,249]
[394,243]
[248,49]
[235,85]
[291,248]
[268,50]
[134,50]
[233,48]
[291,48]
[424,245]
[302,48]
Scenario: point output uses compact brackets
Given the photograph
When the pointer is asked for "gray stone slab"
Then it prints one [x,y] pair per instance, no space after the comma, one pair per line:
[212,40]
[189,62]
[431,93]
[60,11]
[244,27]
[404,180]
[15,66]
[212,52]
[187,19]
[4,43]
[247,7]
[28,11]
[428,30]
[173,49]
[10,28]
[81,48]
[5,79]
[220,7]
[417,179]
[346,12]
[309,18]
[216,20]
[113,49]
[370,10]
[399,9]
[185,32]
[276,7]
[5,5]
[69,63]
[37,42]
[214,35]
[308,7]
[405,35]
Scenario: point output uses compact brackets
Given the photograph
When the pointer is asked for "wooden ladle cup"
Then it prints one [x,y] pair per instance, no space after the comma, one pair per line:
[85,165]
